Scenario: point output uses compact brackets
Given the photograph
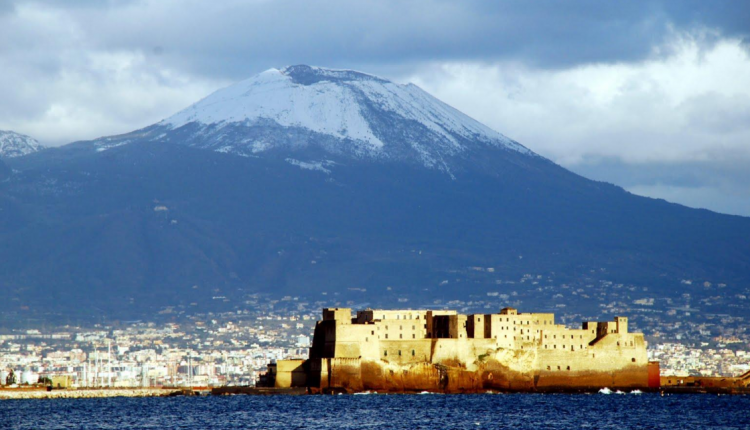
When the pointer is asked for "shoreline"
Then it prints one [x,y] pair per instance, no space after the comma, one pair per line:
[90,393]
[101,393]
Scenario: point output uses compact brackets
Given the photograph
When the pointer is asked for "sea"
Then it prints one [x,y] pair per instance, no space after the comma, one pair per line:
[378,411]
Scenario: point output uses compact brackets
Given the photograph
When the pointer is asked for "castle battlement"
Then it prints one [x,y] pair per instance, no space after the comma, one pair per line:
[509,350]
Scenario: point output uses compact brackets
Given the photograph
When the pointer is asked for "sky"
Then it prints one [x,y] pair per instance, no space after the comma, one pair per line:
[653,96]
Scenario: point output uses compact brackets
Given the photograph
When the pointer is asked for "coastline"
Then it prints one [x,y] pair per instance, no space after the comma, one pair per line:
[100,393]
[89,393]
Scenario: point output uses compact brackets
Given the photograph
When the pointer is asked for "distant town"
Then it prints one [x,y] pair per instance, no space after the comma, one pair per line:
[234,347]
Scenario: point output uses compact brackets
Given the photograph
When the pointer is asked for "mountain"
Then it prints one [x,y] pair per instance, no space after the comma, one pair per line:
[309,110]
[13,144]
[334,186]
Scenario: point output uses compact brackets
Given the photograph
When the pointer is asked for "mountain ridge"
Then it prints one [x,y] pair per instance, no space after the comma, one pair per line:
[14,144]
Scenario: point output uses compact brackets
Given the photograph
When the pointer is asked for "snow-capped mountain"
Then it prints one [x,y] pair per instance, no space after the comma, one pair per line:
[340,112]
[13,144]
[337,183]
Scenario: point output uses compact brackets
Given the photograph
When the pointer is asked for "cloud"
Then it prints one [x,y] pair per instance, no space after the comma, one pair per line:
[234,38]
[618,122]
[647,86]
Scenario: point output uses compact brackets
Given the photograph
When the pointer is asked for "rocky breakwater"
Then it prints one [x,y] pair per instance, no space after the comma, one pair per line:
[84,393]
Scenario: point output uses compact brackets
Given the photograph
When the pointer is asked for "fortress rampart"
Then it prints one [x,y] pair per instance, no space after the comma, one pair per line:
[437,350]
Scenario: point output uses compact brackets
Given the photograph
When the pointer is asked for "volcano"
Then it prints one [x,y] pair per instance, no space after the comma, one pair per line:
[323,183]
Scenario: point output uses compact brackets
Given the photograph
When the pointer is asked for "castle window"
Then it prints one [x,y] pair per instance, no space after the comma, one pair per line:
[400,327]
[399,353]
[558,367]
[618,343]
[413,327]
[548,368]
[373,332]
[386,335]
[568,368]
[385,353]
[413,353]
[400,336]
[398,317]
[545,346]
[367,339]
[413,336]
[555,346]
[554,336]
[633,360]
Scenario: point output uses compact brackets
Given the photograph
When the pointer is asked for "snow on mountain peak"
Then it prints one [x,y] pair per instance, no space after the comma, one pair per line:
[13,144]
[364,114]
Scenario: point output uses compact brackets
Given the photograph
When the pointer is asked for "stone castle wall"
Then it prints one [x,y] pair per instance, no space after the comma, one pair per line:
[444,351]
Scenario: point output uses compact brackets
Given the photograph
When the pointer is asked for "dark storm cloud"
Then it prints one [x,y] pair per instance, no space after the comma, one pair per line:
[231,39]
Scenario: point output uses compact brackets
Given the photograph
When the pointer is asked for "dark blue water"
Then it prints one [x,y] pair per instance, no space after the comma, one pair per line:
[518,411]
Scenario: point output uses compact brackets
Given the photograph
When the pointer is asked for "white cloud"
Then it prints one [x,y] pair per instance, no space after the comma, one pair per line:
[650,119]
[693,105]
[62,88]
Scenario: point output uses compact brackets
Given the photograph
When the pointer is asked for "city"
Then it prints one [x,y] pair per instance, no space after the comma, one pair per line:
[233,347]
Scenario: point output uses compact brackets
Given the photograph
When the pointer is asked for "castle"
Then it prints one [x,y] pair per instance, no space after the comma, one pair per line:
[441,350]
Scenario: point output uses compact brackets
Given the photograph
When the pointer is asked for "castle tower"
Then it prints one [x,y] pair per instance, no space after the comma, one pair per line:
[621,324]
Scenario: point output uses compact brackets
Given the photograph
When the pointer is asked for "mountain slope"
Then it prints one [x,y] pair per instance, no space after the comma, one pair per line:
[337,112]
[13,144]
[207,204]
